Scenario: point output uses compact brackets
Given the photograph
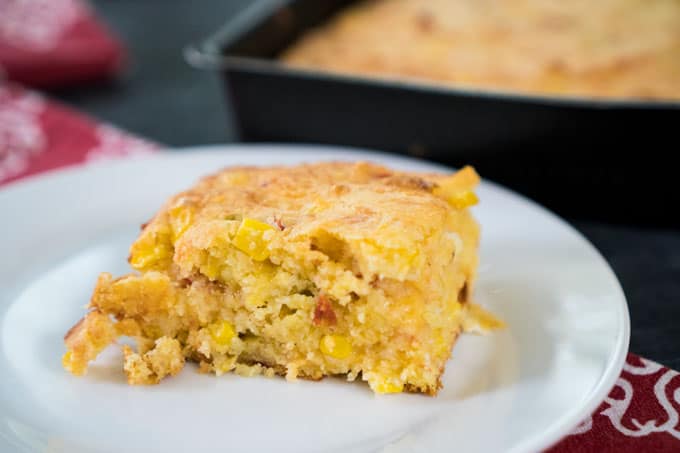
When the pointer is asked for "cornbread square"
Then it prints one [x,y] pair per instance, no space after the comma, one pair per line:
[308,271]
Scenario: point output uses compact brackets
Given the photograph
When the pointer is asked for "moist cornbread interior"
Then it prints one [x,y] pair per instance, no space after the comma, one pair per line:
[308,271]
[602,48]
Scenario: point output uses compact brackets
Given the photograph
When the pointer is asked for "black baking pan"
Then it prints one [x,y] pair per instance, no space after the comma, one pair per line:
[579,156]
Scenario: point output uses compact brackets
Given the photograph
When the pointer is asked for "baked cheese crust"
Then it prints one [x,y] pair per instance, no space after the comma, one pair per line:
[309,271]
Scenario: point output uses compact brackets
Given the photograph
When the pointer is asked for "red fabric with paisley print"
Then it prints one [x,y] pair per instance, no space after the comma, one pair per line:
[640,414]
[50,43]
[37,135]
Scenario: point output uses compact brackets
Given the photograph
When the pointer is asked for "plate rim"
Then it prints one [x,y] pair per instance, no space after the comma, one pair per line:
[562,426]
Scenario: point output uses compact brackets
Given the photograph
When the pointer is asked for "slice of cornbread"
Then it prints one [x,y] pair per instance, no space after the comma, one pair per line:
[326,269]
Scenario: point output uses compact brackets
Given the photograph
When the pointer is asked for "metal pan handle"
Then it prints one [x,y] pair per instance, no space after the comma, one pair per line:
[208,53]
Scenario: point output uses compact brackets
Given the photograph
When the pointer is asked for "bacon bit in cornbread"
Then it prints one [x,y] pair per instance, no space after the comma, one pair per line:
[185,282]
[323,312]
[425,21]
[279,223]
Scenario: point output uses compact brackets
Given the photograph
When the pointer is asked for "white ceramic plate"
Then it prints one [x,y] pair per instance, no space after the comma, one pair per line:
[518,390]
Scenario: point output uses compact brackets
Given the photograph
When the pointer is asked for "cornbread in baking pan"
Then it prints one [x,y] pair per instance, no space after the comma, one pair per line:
[308,271]
[604,48]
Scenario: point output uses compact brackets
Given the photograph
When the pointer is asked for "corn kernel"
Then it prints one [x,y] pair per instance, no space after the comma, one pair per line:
[180,218]
[75,367]
[250,239]
[211,268]
[462,200]
[150,252]
[66,360]
[387,387]
[337,346]
[222,332]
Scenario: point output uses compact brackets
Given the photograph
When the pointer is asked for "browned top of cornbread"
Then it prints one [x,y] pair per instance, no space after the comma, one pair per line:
[379,210]
[311,270]
[322,192]
[613,48]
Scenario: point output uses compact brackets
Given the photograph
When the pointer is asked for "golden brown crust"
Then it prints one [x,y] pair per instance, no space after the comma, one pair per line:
[165,358]
[73,333]
[606,48]
[86,339]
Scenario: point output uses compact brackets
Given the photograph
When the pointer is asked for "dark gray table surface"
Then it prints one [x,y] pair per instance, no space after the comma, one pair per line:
[162,98]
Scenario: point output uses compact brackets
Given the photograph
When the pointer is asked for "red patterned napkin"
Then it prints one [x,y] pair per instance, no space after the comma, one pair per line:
[640,414]
[37,135]
[48,43]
